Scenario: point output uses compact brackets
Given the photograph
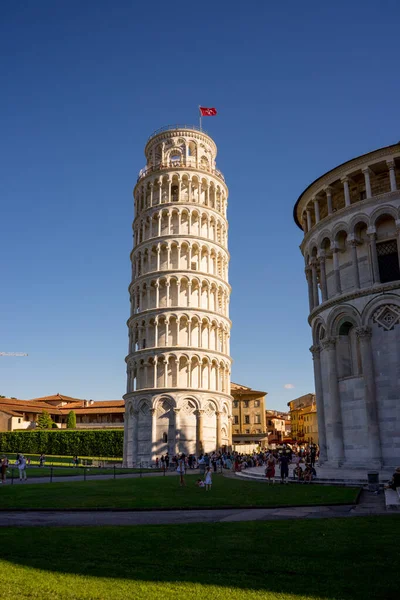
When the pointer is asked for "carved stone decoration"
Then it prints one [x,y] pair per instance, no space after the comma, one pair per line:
[209,410]
[363,332]
[315,351]
[188,407]
[328,343]
[387,316]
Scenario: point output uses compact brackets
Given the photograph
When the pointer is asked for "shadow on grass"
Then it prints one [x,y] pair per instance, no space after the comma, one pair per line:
[346,559]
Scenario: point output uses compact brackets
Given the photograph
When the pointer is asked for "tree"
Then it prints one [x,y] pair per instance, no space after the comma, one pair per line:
[71,420]
[44,421]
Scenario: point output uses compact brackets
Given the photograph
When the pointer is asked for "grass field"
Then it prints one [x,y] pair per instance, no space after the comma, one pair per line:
[165,492]
[329,559]
[74,471]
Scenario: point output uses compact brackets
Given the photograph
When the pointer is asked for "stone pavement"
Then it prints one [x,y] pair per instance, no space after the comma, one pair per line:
[327,474]
[369,505]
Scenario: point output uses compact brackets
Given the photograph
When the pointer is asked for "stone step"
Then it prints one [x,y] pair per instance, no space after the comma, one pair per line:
[392,499]
[319,480]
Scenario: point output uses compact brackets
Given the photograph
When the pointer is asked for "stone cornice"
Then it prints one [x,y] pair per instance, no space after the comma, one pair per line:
[343,298]
[172,310]
[183,132]
[174,391]
[189,350]
[189,206]
[176,273]
[161,171]
[179,238]
[346,212]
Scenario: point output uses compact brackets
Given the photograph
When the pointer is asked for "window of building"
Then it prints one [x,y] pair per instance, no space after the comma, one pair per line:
[246,403]
[269,423]
[363,195]
[256,403]
[174,192]
[247,430]
[165,438]
[257,419]
[258,430]
[388,261]
[247,419]
[235,404]
[19,420]
[236,430]
[236,420]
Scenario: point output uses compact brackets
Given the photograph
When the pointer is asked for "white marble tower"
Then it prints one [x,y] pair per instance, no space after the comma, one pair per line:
[178,365]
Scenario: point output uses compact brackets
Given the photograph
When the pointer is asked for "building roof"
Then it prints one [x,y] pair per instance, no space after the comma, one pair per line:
[243,390]
[17,407]
[302,401]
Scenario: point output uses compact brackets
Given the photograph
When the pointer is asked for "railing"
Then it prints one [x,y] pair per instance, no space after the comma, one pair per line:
[172,127]
[180,165]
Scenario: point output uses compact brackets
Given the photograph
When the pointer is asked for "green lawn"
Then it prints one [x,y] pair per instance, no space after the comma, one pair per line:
[329,559]
[165,492]
[64,461]
[74,471]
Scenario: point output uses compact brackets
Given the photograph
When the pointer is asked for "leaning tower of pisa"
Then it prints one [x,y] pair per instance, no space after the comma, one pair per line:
[178,365]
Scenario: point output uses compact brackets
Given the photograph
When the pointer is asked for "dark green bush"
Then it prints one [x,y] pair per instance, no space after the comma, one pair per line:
[107,443]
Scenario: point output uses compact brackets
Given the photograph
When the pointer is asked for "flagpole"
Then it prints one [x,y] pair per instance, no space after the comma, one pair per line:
[200,116]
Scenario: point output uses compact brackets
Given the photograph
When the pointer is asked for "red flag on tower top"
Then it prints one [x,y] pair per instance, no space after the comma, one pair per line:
[207,112]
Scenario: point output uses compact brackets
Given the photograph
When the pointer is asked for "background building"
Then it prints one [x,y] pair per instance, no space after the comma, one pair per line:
[23,414]
[178,391]
[278,427]
[303,419]
[351,222]
[248,414]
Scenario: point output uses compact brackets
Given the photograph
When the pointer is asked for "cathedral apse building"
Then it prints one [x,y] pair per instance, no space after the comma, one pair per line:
[351,222]
[178,366]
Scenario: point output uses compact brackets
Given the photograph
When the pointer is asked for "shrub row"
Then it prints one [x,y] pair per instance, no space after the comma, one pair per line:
[64,443]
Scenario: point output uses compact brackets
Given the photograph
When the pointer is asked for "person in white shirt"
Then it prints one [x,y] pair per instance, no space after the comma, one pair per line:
[22,467]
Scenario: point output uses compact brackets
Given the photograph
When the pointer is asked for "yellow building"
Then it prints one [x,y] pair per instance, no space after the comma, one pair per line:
[303,417]
[248,414]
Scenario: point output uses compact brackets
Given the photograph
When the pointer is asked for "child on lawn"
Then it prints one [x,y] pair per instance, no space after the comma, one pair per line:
[208,479]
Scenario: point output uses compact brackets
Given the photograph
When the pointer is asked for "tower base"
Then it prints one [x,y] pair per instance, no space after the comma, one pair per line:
[175,421]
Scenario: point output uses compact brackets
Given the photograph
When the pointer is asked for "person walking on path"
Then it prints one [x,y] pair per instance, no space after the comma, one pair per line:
[181,469]
[208,479]
[22,467]
[42,459]
[166,461]
[284,460]
[4,465]
[270,469]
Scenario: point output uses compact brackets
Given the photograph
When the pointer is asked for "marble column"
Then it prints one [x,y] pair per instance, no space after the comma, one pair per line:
[335,256]
[153,451]
[392,175]
[199,433]
[316,210]
[310,288]
[309,222]
[322,270]
[333,409]
[177,449]
[367,180]
[319,395]
[364,335]
[135,441]
[345,181]
[374,257]
[218,436]
[354,259]
[314,282]
[328,192]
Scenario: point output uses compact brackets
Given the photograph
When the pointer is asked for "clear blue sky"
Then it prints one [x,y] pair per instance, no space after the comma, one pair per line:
[300,87]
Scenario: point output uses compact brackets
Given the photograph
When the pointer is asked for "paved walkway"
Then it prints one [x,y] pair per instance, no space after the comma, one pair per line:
[369,505]
[325,473]
[89,477]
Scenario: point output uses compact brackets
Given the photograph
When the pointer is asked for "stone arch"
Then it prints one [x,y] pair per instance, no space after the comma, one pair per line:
[318,330]
[382,211]
[337,317]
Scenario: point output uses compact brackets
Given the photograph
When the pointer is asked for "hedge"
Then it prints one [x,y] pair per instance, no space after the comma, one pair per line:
[64,443]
